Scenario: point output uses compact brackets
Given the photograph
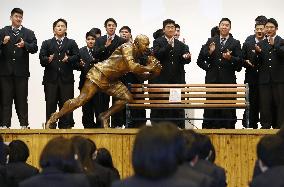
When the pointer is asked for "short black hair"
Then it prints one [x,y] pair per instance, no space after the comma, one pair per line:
[154,154]
[110,19]
[90,34]
[273,21]
[215,31]
[225,19]
[168,21]
[104,158]
[177,25]
[125,28]
[270,150]
[60,19]
[204,145]
[17,10]
[158,33]
[96,31]
[59,153]
[191,146]
[18,151]
[261,19]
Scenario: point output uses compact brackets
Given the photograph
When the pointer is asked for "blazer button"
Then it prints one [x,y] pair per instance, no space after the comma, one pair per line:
[220,59]
[270,66]
[14,52]
[269,59]
[14,59]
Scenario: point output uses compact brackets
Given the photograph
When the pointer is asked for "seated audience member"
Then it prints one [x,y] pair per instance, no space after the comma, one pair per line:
[190,154]
[86,151]
[154,159]
[257,170]
[2,169]
[270,153]
[205,148]
[59,166]
[17,169]
[104,159]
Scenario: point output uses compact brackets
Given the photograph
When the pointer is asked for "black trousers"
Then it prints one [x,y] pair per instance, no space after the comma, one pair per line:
[92,109]
[271,100]
[14,89]
[225,118]
[57,94]
[253,107]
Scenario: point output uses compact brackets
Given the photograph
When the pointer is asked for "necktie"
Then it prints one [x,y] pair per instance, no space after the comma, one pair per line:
[59,42]
[16,31]
[91,53]
[223,42]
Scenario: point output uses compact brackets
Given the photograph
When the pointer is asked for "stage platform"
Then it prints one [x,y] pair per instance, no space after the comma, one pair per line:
[235,149]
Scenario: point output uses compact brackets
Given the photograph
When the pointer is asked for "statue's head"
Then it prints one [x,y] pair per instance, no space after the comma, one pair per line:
[141,43]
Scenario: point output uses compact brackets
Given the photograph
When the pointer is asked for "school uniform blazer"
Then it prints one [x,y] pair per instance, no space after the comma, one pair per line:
[57,68]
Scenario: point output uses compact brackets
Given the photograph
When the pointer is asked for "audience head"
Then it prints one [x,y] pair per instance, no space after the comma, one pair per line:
[270,151]
[59,153]
[205,146]
[18,151]
[191,146]
[85,149]
[2,155]
[104,158]
[155,151]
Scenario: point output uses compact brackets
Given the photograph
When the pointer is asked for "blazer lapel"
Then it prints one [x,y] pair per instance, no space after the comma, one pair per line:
[227,44]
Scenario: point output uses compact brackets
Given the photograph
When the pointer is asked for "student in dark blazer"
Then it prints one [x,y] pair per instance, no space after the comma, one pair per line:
[86,62]
[155,159]
[104,47]
[270,56]
[251,74]
[173,55]
[220,57]
[270,154]
[17,42]
[203,165]
[58,56]
[59,167]
[18,169]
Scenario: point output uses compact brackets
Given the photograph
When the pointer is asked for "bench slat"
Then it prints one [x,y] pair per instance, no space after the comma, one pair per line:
[190,95]
[230,90]
[187,106]
[185,85]
[189,101]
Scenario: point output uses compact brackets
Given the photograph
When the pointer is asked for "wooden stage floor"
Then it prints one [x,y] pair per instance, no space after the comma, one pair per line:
[235,149]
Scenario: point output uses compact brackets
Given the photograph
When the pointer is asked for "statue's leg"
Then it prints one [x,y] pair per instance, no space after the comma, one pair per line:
[123,96]
[88,90]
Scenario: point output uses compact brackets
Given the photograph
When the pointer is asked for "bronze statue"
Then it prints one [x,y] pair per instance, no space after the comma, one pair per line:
[104,76]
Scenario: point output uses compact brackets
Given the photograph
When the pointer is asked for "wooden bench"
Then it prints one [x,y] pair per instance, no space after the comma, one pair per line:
[192,96]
